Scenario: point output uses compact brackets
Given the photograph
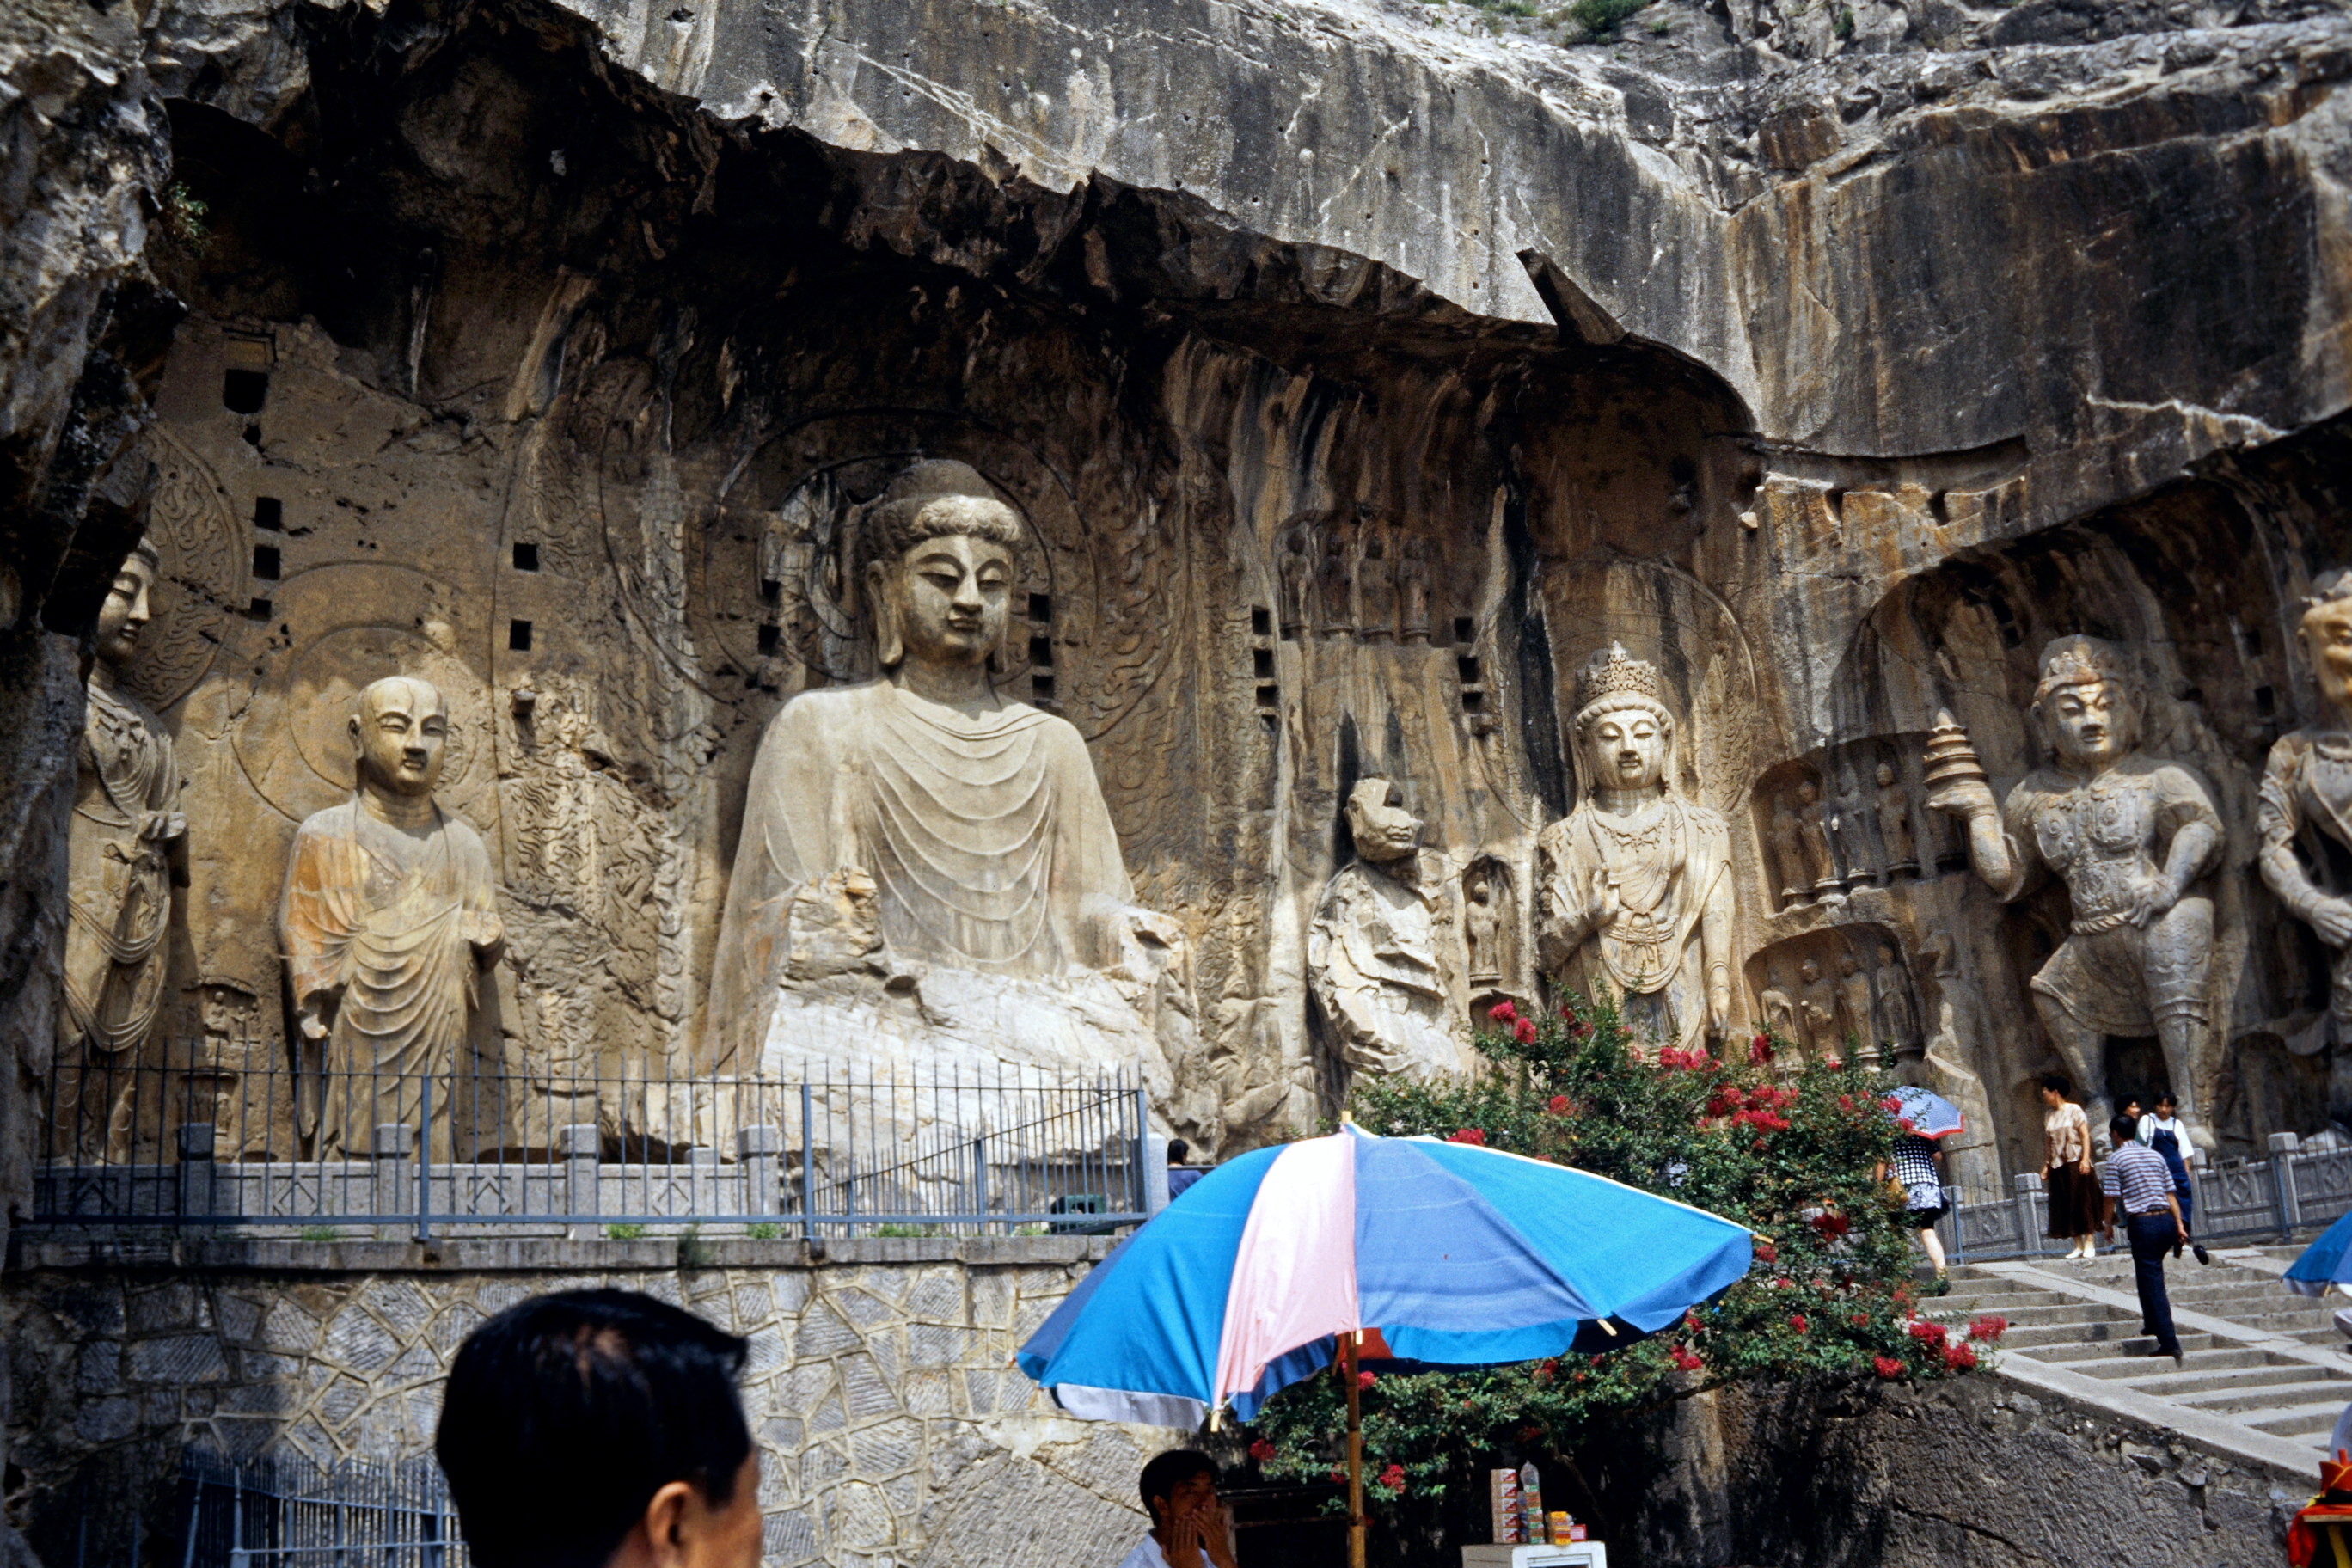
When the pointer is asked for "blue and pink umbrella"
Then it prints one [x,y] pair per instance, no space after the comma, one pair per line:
[1930,1115]
[1411,1250]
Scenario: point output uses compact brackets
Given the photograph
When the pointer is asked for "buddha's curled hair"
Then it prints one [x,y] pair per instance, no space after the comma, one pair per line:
[939,499]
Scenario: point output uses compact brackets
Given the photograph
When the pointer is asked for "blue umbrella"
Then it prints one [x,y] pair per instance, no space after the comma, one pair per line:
[2327,1261]
[1930,1115]
[1434,1253]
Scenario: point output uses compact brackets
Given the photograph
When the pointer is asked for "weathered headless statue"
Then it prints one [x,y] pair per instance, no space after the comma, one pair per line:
[925,828]
[126,824]
[1635,882]
[2307,819]
[2132,836]
[390,920]
[1380,955]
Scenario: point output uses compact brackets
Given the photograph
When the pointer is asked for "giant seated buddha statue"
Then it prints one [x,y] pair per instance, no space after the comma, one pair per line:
[928,878]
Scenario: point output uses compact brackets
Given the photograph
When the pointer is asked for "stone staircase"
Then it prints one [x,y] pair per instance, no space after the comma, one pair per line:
[2264,1373]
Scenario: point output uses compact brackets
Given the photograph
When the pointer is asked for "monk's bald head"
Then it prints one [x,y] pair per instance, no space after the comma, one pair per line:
[399,729]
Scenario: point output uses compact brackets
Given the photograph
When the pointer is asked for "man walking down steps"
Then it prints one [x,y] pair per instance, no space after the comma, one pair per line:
[2140,1184]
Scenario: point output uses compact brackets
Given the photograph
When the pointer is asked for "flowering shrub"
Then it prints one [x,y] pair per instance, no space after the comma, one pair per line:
[1791,1156]
[1988,1328]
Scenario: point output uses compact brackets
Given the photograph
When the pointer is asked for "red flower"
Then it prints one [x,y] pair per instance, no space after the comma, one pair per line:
[1579,1028]
[1988,1328]
[1525,1032]
[1797,1322]
[1831,1227]
[1530,1433]
[1759,1050]
[1784,1283]
[1893,1103]
[1767,1250]
[1845,1102]
[1834,1065]
[1684,1357]
[1927,1333]
[1468,1135]
[1888,1366]
[1364,1380]
[1959,1356]
[1546,1368]
[1339,1475]
[1906,1123]
[1392,1479]
[1503,1012]
[1690,1319]
[1561,1105]
[1859,1319]
[1261,1450]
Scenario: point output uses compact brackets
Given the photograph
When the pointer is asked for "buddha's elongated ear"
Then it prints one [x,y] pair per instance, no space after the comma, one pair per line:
[890,642]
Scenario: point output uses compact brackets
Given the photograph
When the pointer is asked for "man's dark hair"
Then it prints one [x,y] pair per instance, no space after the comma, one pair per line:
[1178,1151]
[2054,1082]
[2168,1098]
[1170,1470]
[2123,1130]
[565,1414]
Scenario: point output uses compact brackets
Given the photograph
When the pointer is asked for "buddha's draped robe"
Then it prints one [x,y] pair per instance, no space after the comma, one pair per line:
[987,839]
[394,919]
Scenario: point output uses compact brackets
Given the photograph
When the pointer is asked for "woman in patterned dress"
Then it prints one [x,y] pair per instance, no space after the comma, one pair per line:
[2066,1171]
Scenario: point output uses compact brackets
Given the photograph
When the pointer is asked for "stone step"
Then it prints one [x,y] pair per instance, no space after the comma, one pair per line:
[2091,1337]
[2205,1380]
[2121,1348]
[2317,1419]
[2259,1402]
[2128,1369]
[2049,1310]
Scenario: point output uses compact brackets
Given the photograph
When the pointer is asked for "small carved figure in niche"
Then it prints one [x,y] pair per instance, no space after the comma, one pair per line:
[1778,1008]
[1848,821]
[1376,589]
[1792,849]
[1336,583]
[1373,954]
[1636,880]
[1412,591]
[2307,816]
[1482,919]
[1817,1009]
[1296,569]
[1894,825]
[389,919]
[1855,1015]
[126,824]
[2132,837]
[1899,1020]
[1816,821]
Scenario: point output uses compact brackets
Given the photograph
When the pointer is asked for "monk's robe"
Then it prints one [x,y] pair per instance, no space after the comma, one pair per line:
[987,840]
[394,920]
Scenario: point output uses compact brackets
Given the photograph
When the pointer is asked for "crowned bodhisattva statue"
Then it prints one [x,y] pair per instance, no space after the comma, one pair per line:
[2307,820]
[927,876]
[126,820]
[1635,881]
[2132,837]
[390,921]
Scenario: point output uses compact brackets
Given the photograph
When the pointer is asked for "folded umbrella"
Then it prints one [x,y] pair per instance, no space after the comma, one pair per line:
[1930,1115]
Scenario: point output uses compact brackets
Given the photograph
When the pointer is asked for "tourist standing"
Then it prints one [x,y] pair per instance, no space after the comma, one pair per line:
[2141,1183]
[2161,1130]
[2066,1171]
[1914,1164]
[1181,1175]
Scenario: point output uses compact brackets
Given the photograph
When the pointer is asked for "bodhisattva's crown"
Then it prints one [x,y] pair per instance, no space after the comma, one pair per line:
[1616,673]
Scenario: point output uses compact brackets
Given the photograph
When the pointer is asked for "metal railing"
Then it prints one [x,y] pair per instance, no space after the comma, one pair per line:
[2293,1191]
[285,1511]
[200,1135]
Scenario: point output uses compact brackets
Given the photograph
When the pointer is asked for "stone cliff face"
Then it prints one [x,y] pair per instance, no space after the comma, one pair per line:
[1831,359]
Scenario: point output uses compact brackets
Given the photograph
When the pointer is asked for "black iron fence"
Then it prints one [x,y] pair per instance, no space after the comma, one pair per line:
[198,1134]
[285,1511]
[2240,1200]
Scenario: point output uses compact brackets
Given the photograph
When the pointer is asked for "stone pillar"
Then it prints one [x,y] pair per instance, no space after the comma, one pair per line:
[198,1174]
[701,1183]
[394,1186]
[582,1150]
[2283,1189]
[2029,1222]
[759,1151]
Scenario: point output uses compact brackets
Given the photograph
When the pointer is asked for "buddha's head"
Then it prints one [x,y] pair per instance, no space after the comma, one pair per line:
[125,613]
[940,579]
[1810,971]
[2089,701]
[399,733]
[1380,824]
[2326,634]
[1623,730]
[1885,774]
[1848,964]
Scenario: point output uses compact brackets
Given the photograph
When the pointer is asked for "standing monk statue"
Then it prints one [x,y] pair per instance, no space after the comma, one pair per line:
[2307,816]
[125,822]
[2132,836]
[1635,881]
[390,919]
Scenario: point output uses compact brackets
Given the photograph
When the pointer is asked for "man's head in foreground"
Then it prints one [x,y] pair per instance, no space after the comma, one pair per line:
[601,1429]
[1180,1481]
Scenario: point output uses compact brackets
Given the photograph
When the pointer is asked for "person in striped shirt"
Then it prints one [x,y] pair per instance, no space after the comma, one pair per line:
[2140,1182]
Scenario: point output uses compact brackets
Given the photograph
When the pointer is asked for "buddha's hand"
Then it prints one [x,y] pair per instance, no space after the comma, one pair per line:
[1967,799]
[2332,918]
[1605,906]
[316,1017]
[2151,895]
[484,932]
[1144,943]
[162,826]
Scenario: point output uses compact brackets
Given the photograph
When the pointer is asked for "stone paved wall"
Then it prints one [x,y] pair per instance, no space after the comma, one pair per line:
[893,1425]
